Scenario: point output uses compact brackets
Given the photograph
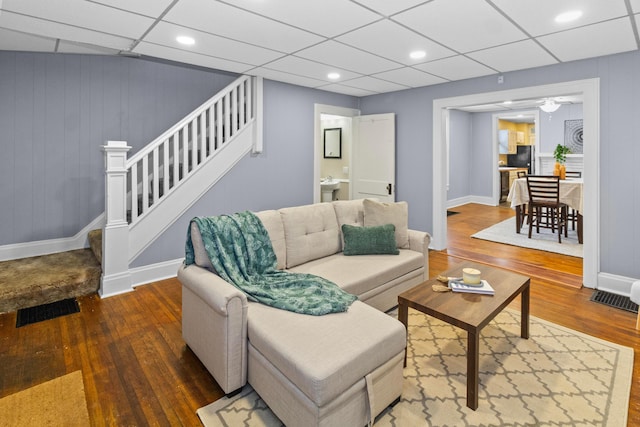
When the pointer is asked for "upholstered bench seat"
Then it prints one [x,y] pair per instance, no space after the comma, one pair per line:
[324,356]
[360,274]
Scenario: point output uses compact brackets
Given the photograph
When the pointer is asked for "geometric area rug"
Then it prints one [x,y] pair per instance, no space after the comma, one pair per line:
[504,232]
[557,377]
[58,402]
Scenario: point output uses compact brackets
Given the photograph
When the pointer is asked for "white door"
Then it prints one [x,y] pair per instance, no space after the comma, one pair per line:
[373,157]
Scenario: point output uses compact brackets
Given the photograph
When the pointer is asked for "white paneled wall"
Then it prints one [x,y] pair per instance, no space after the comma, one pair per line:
[546,163]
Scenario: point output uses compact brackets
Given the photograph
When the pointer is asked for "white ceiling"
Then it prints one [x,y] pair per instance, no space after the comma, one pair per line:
[300,41]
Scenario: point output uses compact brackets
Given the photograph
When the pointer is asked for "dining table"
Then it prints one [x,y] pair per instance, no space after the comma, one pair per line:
[571,193]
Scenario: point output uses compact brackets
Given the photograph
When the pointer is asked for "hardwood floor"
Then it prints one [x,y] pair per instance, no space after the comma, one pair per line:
[138,371]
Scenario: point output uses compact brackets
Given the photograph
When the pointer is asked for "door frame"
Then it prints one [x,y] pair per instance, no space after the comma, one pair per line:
[496,152]
[318,111]
[590,90]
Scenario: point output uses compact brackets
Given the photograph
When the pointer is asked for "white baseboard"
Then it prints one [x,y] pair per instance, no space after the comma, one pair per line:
[470,199]
[44,247]
[618,285]
[126,282]
[155,272]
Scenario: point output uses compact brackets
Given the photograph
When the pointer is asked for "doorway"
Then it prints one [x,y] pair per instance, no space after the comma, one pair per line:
[339,115]
[590,91]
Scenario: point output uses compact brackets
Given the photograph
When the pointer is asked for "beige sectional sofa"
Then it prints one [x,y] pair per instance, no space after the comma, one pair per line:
[336,369]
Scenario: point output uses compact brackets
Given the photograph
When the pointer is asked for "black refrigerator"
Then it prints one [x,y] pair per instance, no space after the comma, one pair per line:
[524,158]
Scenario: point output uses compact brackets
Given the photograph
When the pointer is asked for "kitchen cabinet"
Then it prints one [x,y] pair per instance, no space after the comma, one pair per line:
[520,138]
[507,142]
[507,176]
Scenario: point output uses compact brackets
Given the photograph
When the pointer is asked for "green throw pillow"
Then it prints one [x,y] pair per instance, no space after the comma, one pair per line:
[380,239]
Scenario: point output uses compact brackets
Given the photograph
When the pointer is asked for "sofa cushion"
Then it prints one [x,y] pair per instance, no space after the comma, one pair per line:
[380,213]
[380,239]
[311,232]
[200,255]
[360,274]
[349,212]
[273,223]
[325,355]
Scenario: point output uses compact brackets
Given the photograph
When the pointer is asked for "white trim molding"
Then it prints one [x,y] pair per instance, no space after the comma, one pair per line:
[51,246]
[590,90]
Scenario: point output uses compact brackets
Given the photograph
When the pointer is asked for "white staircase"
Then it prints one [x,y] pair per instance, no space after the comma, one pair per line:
[147,193]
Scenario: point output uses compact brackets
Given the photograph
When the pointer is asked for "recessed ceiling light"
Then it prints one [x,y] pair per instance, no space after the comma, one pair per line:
[185,40]
[418,54]
[569,16]
[507,102]
[333,76]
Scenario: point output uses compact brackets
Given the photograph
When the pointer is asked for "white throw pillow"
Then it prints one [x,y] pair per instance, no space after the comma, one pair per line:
[381,213]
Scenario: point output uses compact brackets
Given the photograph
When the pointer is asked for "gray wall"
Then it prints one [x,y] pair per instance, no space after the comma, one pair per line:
[461,156]
[619,148]
[56,111]
[283,174]
[552,126]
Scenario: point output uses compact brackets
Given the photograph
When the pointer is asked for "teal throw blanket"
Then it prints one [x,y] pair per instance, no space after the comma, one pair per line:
[241,252]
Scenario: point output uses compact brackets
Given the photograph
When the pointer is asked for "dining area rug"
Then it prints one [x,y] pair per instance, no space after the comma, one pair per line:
[556,377]
[505,232]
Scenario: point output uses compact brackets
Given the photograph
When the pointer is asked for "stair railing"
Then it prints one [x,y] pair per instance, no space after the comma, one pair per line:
[163,164]
[136,187]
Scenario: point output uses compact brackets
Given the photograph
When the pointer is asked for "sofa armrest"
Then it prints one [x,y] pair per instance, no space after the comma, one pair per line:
[213,289]
[214,325]
[419,241]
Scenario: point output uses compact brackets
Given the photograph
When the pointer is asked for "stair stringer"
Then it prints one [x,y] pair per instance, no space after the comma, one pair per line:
[143,233]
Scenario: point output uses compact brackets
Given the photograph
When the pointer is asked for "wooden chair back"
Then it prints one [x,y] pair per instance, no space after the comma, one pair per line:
[544,189]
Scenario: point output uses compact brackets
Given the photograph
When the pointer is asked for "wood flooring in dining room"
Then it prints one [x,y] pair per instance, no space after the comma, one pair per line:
[137,369]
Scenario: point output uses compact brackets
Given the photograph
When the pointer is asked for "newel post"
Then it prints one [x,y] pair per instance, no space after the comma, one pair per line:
[115,237]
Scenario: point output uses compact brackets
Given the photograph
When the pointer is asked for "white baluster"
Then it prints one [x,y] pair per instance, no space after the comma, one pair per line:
[134,192]
[165,167]
[219,123]
[145,184]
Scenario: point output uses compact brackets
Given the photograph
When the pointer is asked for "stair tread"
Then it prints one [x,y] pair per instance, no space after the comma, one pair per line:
[32,281]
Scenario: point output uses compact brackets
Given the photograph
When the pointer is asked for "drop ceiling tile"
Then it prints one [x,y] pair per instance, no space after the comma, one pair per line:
[410,77]
[54,30]
[194,58]
[14,40]
[540,19]
[346,57]
[327,17]
[152,8]
[222,19]
[455,68]
[387,7]
[347,90]
[393,41]
[635,6]
[374,85]
[286,77]
[70,47]
[601,39]
[514,56]
[83,14]
[310,69]
[479,27]
[207,44]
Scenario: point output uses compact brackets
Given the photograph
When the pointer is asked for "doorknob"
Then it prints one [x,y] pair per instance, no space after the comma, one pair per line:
[389,188]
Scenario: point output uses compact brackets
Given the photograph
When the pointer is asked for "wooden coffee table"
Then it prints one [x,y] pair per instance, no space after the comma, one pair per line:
[467,311]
